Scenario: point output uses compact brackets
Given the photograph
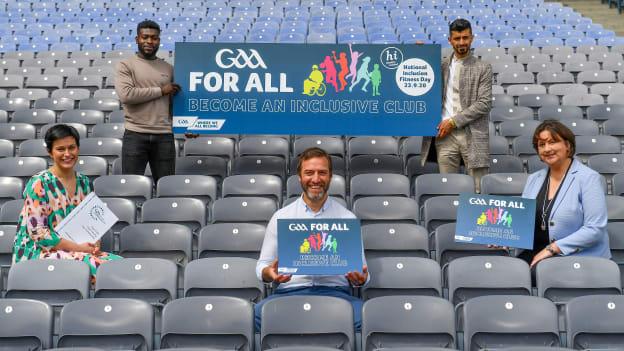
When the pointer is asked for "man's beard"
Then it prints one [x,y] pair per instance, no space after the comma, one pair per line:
[150,55]
[317,196]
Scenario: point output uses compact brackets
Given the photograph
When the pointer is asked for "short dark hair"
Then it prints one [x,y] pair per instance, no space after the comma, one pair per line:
[313,152]
[60,131]
[558,131]
[459,25]
[147,24]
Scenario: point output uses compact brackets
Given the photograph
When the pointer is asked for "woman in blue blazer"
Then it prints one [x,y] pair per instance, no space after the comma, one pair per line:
[571,209]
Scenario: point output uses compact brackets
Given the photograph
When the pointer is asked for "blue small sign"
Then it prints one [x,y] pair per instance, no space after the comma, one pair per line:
[495,220]
[319,246]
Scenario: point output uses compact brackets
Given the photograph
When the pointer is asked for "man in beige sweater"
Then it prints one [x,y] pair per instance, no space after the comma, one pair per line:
[144,84]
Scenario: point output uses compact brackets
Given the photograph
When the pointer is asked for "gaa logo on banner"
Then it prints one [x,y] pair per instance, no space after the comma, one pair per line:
[241,60]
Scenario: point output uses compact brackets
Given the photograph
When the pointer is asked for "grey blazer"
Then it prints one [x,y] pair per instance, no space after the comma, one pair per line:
[475,93]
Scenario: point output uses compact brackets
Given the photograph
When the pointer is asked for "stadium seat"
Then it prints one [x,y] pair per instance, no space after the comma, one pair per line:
[74,94]
[395,239]
[248,209]
[567,88]
[447,249]
[500,114]
[209,322]
[581,126]
[380,209]
[402,276]
[126,211]
[560,279]
[427,186]
[560,112]
[503,321]
[108,130]
[605,112]
[514,128]
[10,189]
[379,184]
[510,184]
[92,166]
[7,149]
[181,210]
[258,185]
[202,165]
[21,167]
[505,164]
[305,320]
[203,188]
[597,144]
[10,211]
[392,322]
[538,100]
[374,155]
[33,148]
[231,240]
[129,324]
[55,282]
[137,188]
[223,276]
[54,104]
[152,280]
[99,104]
[210,146]
[26,324]
[168,241]
[595,322]
[469,277]
[29,94]
[615,208]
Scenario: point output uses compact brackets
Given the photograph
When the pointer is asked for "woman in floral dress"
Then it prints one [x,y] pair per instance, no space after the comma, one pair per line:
[49,197]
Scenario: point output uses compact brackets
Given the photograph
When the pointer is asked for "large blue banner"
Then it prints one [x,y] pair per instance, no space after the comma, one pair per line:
[319,246]
[319,89]
[495,220]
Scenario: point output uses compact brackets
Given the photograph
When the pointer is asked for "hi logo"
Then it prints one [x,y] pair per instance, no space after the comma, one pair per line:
[318,242]
[239,59]
[495,216]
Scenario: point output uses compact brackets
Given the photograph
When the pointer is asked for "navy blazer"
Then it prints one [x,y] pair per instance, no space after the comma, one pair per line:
[578,219]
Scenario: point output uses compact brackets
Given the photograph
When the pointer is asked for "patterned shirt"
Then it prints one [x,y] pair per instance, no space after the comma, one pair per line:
[46,203]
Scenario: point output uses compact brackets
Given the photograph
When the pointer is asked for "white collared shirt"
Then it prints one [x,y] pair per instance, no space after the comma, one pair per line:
[447,108]
[299,209]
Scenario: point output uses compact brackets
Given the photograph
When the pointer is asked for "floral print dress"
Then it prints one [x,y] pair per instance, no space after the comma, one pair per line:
[46,203]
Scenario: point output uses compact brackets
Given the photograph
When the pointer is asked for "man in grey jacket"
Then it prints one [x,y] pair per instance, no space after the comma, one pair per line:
[467,99]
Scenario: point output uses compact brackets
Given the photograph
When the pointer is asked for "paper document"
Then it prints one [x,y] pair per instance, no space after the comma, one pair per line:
[87,222]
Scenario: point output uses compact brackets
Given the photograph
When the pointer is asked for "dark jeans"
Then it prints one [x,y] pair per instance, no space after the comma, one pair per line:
[140,148]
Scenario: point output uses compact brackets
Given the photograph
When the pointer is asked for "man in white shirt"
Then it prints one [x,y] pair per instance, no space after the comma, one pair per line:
[315,173]
[463,132]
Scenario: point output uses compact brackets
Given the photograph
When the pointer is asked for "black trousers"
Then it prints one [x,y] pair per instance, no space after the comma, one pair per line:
[139,149]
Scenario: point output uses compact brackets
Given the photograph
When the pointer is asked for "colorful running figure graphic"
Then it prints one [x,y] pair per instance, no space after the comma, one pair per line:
[329,69]
[312,241]
[375,77]
[335,246]
[328,244]
[344,69]
[314,85]
[362,73]
[355,56]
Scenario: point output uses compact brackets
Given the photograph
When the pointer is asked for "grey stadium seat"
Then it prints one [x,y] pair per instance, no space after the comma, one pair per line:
[395,239]
[14,104]
[203,188]
[512,129]
[21,167]
[248,209]
[55,104]
[210,146]
[100,104]
[181,210]
[152,280]
[597,144]
[11,81]
[202,165]
[92,166]
[605,112]
[503,183]
[126,211]
[538,100]
[504,321]
[439,210]
[231,240]
[223,276]
[581,126]
[108,130]
[469,277]
[606,89]
[505,164]
[510,77]
[576,67]
[391,276]
[582,100]
[332,145]
[498,145]
[500,114]
[567,88]
[74,94]
[26,324]
[615,208]
[6,148]
[429,185]
[560,279]
[301,320]
[502,100]
[379,184]
[215,321]
[262,185]
[33,148]
[110,148]
[55,282]
[29,94]
[597,76]
[595,322]
[10,211]
[91,82]
[396,321]
[134,187]
[168,241]
[129,324]
[447,250]
[560,112]
[537,67]
[379,209]
[10,188]
[45,81]
[554,77]
[523,89]
[615,98]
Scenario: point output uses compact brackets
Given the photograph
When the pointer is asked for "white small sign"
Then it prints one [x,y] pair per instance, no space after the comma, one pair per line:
[88,222]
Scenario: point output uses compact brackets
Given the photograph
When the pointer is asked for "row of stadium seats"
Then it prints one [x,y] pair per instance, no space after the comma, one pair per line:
[507,322]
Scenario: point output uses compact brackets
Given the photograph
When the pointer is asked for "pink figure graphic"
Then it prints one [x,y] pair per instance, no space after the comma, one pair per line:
[324,241]
[312,241]
[342,62]
[329,70]
[490,216]
[355,56]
